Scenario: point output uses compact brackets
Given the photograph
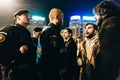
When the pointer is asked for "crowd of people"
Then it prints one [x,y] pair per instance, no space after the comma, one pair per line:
[48,55]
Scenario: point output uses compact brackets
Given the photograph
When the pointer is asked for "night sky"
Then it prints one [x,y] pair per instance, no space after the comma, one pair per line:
[42,8]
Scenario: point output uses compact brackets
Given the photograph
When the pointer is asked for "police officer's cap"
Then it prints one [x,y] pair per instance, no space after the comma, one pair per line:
[37,29]
[19,12]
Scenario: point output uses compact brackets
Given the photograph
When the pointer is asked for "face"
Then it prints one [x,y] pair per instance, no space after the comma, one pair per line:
[99,19]
[66,34]
[89,31]
[24,19]
[36,34]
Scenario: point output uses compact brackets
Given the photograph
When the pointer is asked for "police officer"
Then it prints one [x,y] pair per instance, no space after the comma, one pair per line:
[52,46]
[36,34]
[16,47]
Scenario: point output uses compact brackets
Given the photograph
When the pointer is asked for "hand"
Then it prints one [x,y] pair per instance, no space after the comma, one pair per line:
[23,49]
[79,61]
[39,50]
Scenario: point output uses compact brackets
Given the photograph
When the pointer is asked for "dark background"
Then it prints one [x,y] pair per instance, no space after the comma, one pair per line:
[42,8]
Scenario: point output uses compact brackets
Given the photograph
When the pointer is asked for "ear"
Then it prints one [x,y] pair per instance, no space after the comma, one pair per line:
[70,34]
[18,17]
[95,31]
[14,18]
[55,21]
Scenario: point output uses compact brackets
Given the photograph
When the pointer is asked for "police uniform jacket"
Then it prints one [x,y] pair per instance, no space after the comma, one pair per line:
[52,45]
[11,39]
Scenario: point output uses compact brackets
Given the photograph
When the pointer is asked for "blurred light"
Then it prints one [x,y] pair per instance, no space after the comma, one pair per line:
[91,18]
[75,17]
[6,2]
[38,18]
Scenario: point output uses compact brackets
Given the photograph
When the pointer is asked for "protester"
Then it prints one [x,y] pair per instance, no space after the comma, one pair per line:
[88,50]
[107,14]
[71,72]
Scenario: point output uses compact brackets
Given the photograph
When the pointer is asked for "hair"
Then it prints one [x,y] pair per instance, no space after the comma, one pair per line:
[108,8]
[55,12]
[94,26]
[69,30]
[80,38]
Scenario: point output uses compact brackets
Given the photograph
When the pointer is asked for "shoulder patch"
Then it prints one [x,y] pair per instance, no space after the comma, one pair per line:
[2,37]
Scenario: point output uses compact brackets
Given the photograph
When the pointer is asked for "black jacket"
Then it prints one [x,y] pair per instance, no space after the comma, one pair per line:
[52,49]
[15,37]
[71,61]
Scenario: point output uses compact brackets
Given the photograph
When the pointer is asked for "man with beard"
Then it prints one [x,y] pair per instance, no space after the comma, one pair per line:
[107,14]
[88,50]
